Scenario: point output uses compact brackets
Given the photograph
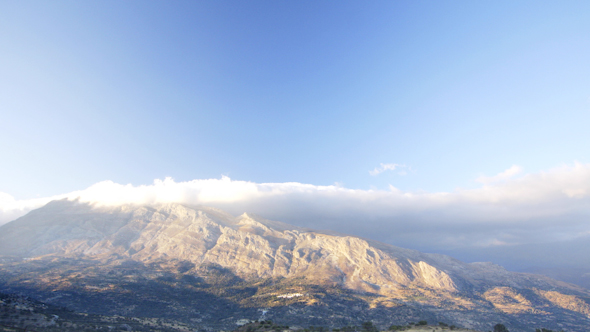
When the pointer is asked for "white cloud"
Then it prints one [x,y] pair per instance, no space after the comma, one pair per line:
[11,208]
[402,169]
[503,176]
[546,206]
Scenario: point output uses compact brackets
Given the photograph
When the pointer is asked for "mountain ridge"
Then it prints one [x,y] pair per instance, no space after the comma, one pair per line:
[253,249]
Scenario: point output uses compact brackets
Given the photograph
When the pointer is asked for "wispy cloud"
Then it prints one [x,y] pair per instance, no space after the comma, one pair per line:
[545,206]
[503,176]
[401,169]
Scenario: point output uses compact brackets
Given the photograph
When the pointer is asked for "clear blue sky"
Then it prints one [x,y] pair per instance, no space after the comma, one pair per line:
[314,92]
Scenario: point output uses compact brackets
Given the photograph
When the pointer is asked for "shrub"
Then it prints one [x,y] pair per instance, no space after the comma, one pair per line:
[500,328]
[369,327]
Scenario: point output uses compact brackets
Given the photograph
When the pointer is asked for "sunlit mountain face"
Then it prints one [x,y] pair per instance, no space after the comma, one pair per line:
[208,269]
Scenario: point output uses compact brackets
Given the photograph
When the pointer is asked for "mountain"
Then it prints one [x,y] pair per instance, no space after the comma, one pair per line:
[214,270]
[566,260]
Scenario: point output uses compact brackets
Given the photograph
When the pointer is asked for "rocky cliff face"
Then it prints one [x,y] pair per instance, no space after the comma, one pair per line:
[248,245]
[254,249]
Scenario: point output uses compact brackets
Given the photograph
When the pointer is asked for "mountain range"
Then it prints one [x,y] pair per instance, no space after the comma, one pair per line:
[212,270]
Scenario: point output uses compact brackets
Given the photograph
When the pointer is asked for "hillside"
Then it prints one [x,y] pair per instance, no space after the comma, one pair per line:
[210,269]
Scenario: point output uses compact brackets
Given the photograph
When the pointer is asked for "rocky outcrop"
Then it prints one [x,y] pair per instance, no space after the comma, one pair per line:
[569,302]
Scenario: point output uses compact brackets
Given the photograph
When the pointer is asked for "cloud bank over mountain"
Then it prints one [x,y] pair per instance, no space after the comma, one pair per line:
[506,210]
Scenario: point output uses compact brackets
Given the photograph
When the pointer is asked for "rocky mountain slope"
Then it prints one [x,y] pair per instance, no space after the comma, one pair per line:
[259,267]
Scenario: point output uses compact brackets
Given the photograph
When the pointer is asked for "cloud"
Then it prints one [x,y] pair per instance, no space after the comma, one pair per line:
[507,174]
[11,208]
[533,208]
[402,169]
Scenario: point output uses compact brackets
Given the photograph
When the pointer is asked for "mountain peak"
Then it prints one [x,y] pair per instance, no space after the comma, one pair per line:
[252,248]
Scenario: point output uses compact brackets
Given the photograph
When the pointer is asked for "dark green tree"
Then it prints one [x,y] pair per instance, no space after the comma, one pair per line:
[369,327]
[500,328]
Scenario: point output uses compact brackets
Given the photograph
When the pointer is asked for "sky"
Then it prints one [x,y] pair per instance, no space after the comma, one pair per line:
[387,119]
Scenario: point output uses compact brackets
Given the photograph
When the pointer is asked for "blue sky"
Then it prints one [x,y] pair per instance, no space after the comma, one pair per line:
[289,91]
